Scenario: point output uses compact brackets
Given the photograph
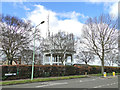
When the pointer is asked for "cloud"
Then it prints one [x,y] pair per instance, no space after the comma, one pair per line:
[20,5]
[26,8]
[111,6]
[73,15]
[114,10]
[69,24]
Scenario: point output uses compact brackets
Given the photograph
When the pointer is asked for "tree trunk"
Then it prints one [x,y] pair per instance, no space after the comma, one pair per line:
[102,59]
[8,62]
[85,62]
[102,67]
[11,61]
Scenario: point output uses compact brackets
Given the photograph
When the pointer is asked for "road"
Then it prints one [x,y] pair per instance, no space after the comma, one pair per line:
[91,82]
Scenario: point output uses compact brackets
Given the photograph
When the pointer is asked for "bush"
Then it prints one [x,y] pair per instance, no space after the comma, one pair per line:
[70,70]
[24,71]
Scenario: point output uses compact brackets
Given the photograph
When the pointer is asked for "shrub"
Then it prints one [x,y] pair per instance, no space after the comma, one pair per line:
[24,71]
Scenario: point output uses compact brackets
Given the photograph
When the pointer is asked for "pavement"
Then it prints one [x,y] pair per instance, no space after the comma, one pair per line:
[91,82]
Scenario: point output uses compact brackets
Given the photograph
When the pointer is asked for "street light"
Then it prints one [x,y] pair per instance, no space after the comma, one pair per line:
[34,50]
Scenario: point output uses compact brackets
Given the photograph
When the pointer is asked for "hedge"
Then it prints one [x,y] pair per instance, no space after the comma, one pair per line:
[24,71]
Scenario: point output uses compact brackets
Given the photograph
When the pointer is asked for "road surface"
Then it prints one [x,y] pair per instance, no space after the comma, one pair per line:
[91,82]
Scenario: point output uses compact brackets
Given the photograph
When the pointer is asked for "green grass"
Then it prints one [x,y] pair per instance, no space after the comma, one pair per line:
[96,74]
[49,79]
[39,80]
[108,74]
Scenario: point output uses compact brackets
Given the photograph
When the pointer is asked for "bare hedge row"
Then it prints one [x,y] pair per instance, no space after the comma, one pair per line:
[24,71]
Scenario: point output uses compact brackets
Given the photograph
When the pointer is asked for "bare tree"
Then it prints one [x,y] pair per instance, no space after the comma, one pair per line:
[64,42]
[27,56]
[38,45]
[118,58]
[15,36]
[111,58]
[85,56]
[100,36]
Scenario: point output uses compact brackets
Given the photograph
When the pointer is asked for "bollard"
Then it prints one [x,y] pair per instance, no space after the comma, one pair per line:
[85,73]
[113,74]
[104,74]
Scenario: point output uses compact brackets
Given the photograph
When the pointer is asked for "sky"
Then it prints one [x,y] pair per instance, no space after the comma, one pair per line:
[64,16]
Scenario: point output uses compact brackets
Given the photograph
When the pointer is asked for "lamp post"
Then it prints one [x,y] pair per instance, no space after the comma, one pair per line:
[34,50]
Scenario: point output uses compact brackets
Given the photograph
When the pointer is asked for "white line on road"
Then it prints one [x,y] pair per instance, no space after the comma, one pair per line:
[52,84]
[105,85]
[87,80]
[81,81]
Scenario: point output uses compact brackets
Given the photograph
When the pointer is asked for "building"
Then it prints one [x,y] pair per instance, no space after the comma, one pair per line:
[58,49]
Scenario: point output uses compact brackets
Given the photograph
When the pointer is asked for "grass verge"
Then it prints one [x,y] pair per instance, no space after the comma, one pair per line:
[39,80]
[49,79]
[96,74]
[108,74]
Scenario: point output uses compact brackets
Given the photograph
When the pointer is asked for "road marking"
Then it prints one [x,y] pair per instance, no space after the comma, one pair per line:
[51,84]
[87,80]
[97,87]
[81,81]
[108,84]
[105,85]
